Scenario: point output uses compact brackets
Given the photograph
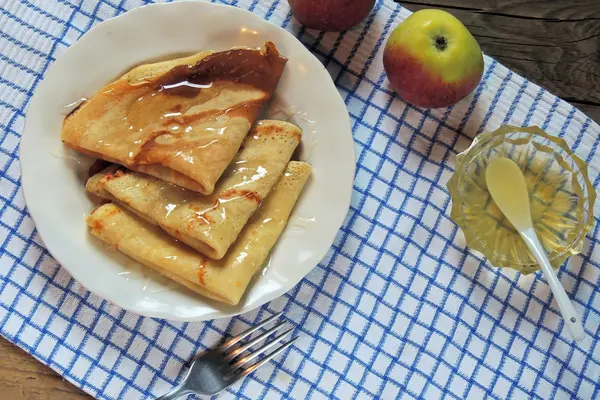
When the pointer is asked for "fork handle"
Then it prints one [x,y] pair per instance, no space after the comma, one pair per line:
[175,393]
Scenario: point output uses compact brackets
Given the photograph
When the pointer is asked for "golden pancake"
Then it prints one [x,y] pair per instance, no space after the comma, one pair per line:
[208,223]
[181,120]
[225,280]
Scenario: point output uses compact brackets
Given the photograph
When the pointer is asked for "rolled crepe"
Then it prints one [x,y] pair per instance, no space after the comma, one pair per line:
[225,280]
[210,224]
[181,120]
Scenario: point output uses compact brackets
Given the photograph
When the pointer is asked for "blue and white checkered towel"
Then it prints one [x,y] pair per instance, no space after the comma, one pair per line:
[398,308]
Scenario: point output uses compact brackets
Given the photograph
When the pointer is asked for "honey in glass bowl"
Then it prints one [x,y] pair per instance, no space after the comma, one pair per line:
[560,193]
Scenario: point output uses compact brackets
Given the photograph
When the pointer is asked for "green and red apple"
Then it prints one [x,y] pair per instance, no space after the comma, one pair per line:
[331,15]
[432,60]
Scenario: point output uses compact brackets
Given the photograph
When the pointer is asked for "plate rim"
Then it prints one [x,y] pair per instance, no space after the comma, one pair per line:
[76,274]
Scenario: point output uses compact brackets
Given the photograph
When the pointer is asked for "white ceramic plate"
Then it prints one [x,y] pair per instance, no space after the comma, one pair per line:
[53,176]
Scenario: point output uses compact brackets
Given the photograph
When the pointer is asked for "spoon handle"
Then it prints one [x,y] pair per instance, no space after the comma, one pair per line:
[572,320]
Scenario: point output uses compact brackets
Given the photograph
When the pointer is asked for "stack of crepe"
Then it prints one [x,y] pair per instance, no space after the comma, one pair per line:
[199,190]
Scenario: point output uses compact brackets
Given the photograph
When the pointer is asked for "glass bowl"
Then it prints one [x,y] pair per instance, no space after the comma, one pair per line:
[560,193]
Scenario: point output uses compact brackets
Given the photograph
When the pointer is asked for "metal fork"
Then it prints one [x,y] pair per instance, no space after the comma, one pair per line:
[219,368]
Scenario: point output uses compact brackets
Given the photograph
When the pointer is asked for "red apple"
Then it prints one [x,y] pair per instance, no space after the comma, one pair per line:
[432,60]
[331,15]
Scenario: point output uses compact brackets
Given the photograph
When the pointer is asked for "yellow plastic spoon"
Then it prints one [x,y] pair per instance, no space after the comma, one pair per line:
[506,184]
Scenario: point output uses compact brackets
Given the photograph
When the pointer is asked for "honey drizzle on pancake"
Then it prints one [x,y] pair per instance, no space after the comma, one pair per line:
[169,117]
[209,223]
[210,210]
[214,213]
[245,66]
[201,271]
[225,279]
[164,109]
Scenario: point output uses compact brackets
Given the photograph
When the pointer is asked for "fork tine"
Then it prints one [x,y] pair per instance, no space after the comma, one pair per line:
[260,350]
[248,332]
[233,354]
[265,360]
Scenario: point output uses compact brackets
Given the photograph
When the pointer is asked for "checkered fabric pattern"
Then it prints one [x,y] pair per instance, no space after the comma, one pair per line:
[399,307]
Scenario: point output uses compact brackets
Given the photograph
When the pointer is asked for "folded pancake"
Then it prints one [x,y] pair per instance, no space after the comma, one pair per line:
[181,120]
[224,280]
[210,224]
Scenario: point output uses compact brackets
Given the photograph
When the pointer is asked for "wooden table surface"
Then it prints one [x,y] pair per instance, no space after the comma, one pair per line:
[553,43]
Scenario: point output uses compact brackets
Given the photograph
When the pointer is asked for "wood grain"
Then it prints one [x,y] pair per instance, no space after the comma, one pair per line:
[553,43]
[523,9]
[24,378]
